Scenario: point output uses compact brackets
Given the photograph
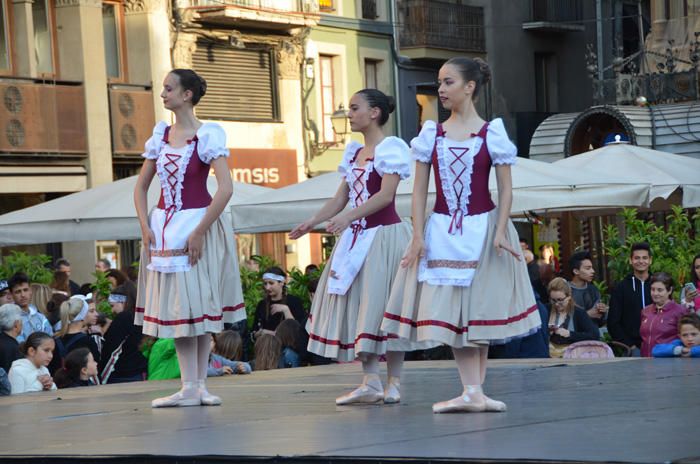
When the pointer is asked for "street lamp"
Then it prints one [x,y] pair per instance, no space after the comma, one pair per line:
[339,121]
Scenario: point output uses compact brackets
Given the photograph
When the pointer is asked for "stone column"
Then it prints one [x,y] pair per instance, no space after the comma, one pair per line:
[147,27]
[23,38]
[81,55]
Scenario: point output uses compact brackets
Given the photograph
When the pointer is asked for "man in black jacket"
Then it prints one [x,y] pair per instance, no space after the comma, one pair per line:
[628,299]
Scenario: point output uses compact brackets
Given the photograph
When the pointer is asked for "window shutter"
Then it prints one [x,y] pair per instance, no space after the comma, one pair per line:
[241,83]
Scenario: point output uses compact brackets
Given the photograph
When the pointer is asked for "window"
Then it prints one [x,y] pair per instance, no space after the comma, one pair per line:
[114,53]
[327,96]
[4,38]
[369,9]
[43,43]
[371,67]
[241,82]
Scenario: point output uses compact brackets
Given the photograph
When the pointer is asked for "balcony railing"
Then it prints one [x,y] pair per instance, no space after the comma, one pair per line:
[132,118]
[369,9]
[43,119]
[305,6]
[557,11]
[438,24]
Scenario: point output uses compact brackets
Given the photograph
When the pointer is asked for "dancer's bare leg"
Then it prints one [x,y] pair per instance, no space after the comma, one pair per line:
[203,350]
[472,398]
[394,367]
[370,391]
[186,348]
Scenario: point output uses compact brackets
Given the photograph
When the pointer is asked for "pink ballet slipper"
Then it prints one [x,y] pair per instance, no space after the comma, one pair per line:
[471,400]
[206,398]
[369,392]
[187,396]
[392,392]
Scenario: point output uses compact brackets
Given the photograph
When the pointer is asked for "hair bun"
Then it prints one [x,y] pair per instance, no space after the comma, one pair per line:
[484,69]
[202,85]
[391,103]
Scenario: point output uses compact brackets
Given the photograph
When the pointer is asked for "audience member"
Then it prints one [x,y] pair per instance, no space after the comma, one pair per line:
[277,304]
[5,387]
[311,286]
[116,277]
[62,265]
[690,297]
[10,328]
[41,295]
[161,356]
[267,352]
[548,263]
[121,359]
[586,296]
[289,333]
[660,319]
[30,374]
[567,323]
[85,289]
[103,265]
[311,269]
[629,297]
[32,319]
[79,370]
[76,317]
[60,283]
[226,350]
[120,297]
[53,310]
[687,345]
[5,293]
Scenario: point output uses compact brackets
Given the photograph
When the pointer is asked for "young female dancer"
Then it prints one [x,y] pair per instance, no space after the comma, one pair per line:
[189,283]
[462,282]
[347,309]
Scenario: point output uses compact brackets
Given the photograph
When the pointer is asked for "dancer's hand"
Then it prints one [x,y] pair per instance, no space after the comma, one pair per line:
[415,250]
[302,229]
[148,240]
[338,223]
[194,245]
[500,243]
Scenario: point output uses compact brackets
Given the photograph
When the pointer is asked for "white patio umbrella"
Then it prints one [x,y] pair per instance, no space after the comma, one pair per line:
[664,172]
[536,186]
[102,213]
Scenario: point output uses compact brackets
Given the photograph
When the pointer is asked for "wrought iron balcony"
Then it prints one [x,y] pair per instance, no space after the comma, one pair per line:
[434,24]
[556,16]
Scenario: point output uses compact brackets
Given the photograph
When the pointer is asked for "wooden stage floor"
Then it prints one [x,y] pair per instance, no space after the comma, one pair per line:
[641,411]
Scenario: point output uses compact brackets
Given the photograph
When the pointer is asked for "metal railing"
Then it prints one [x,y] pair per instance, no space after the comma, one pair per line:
[557,11]
[438,24]
[306,6]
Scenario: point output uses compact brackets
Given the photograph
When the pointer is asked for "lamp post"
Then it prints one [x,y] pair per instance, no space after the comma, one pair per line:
[339,121]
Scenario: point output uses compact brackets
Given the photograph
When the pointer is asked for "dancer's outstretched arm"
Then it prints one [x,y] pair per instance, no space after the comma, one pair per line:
[327,211]
[418,201]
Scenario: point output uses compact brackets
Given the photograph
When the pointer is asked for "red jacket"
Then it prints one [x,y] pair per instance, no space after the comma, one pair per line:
[659,325]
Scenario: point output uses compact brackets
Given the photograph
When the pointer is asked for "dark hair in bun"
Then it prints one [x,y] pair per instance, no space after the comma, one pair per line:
[190,80]
[378,99]
[472,69]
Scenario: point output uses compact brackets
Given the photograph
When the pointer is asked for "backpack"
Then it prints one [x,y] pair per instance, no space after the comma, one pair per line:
[64,348]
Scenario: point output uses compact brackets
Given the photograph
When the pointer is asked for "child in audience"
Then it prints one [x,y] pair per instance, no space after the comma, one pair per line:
[79,369]
[30,374]
[226,349]
[687,345]
[289,335]
[267,352]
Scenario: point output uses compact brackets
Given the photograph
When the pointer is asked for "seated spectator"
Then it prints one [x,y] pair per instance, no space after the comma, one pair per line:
[289,333]
[121,295]
[567,323]
[629,297]
[85,289]
[62,265]
[60,283]
[277,305]
[5,387]
[32,319]
[691,297]
[311,286]
[53,310]
[226,350]
[161,356]
[30,374]
[547,263]
[103,265]
[660,319]
[10,328]
[79,370]
[311,269]
[76,317]
[116,277]
[267,353]
[41,295]
[586,296]
[5,293]
[121,359]
[687,345]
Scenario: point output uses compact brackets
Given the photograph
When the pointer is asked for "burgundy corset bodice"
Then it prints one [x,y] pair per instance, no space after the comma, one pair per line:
[194,185]
[480,198]
[385,216]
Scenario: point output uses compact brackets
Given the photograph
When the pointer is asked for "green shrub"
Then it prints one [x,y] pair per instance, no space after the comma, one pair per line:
[35,266]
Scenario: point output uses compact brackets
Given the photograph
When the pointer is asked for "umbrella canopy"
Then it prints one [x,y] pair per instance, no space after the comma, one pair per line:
[536,186]
[102,213]
[663,172]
